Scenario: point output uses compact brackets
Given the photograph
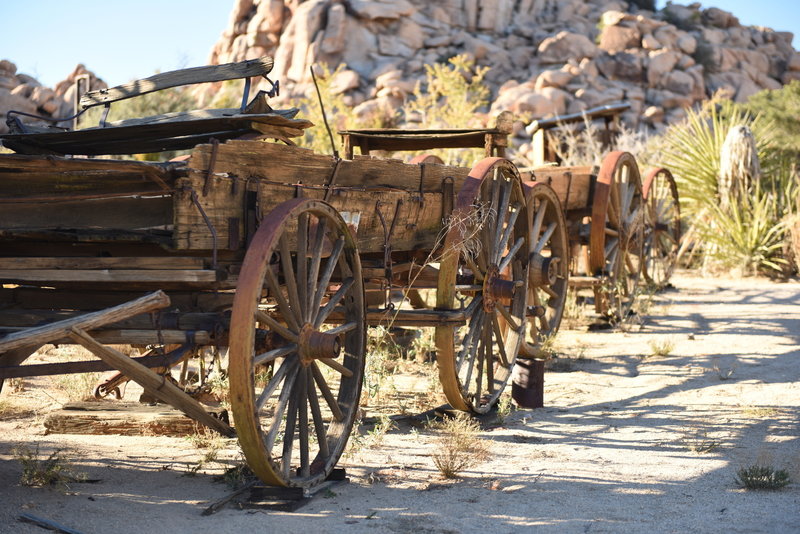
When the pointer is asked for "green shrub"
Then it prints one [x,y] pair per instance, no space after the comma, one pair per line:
[761,477]
[450,98]
[780,107]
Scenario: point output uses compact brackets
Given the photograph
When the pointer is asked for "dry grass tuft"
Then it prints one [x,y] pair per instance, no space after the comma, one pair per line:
[762,477]
[458,446]
[55,470]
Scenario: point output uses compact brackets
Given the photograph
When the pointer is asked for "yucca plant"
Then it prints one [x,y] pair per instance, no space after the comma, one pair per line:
[748,230]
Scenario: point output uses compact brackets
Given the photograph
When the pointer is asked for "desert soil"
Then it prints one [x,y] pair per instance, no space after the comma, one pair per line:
[628,441]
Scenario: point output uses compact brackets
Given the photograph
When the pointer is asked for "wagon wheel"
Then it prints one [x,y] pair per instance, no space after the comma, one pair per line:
[549,267]
[662,232]
[295,382]
[616,234]
[483,273]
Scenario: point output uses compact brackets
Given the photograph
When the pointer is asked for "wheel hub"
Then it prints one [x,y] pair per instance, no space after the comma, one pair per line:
[544,271]
[495,287]
[315,345]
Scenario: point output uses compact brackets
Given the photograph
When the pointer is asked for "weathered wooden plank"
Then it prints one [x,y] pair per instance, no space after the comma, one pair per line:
[33,298]
[135,262]
[291,165]
[48,177]
[146,138]
[417,218]
[27,318]
[89,321]
[214,73]
[153,383]
[108,275]
[572,185]
[274,118]
[121,213]
[122,418]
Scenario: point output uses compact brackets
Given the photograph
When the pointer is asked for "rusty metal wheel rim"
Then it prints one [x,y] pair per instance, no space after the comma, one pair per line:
[549,267]
[294,426]
[663,229]
[475,360]
[616,237]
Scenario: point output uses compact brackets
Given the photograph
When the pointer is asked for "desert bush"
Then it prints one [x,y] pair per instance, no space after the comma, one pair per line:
[762,477]
[779,107]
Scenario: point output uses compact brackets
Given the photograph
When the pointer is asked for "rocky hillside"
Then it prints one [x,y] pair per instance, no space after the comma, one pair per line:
[547,57]
[24,93]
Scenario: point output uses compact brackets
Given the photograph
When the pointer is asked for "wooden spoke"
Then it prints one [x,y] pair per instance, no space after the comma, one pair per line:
[538,220]
[283,400]
[545,237]
[326,310]
[287,269]
[325,279]
[288,436]
[272,355]
[341,329]
[511,254]
[512,321]
[302,264]
[333,404]
[264,317]
[316,415]
[336,366]
[316,258]
[499,335]
[286,367]
[504,239]
[286,311]
[302,394]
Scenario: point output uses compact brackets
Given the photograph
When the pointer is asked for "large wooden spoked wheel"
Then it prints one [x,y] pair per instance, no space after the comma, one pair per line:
[663,228]
[616,234]
[483,273]
[295,381]
[548,266]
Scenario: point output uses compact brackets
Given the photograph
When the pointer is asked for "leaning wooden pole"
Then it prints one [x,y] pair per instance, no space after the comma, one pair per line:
[152,382]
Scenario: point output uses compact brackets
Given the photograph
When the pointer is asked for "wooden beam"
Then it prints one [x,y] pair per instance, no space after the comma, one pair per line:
[214,73]
[152,382]
[108,275]
[132,262]
[44,334]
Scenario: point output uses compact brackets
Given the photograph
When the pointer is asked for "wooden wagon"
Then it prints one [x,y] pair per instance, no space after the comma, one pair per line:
[263,249]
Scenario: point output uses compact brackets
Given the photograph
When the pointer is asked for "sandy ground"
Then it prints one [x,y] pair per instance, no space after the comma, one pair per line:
[618,447]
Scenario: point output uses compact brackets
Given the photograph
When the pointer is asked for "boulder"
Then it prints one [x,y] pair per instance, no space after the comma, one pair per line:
[565,46]
[667,99]
[719,18]
[659,65]
[649,42]
[552,78]
[7,68]
[618,38]
[623,66]
[679,82]
[687,44]
[653,115]
[345,80]
[377,9]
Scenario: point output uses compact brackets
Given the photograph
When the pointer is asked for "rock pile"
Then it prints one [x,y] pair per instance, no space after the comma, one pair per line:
[547,57]
[24,93]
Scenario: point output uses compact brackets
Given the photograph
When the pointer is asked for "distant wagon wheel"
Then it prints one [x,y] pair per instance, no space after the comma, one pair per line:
[548,265]
[484,274]
[663,228]
[616,236]
[295,381]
